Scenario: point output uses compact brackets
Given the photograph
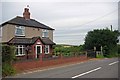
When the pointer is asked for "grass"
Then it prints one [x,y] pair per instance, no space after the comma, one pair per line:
[111,55]
[100,56]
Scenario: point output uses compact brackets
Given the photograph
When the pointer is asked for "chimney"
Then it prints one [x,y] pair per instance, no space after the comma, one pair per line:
[26,14]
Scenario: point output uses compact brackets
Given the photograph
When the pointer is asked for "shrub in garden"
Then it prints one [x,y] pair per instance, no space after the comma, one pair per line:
[7,69]
[8,55]
[118,47]
[68,51]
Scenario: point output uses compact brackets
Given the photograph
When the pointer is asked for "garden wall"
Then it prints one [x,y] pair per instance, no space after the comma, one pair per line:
[32,64]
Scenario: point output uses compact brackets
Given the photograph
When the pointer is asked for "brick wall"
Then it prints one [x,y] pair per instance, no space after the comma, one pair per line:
[26,65]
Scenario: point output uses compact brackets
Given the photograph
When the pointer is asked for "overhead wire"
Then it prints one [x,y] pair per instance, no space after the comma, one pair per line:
[95,20]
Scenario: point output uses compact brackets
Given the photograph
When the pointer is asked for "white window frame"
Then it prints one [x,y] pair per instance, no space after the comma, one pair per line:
[40,48]
[20,27]
[48,47]
[19,47]
[43,32]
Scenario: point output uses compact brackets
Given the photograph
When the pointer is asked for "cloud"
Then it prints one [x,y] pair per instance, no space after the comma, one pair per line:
[71,20]
[60,0]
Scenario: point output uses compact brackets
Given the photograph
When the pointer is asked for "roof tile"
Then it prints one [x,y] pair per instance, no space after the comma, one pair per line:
[29,41]
[29,23]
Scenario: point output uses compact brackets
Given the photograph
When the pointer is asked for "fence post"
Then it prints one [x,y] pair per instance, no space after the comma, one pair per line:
[75,54]
[86,54]
[101,50]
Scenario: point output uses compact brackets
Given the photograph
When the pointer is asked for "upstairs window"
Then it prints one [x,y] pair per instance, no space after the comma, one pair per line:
[44,33]
[19,31]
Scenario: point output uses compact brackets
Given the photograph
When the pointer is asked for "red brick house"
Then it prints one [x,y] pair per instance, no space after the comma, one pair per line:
[31,38]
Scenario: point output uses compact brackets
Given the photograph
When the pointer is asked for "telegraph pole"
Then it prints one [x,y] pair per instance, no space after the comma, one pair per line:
[111,27]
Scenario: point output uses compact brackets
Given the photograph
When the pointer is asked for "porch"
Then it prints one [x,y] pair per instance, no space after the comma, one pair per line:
[32,48]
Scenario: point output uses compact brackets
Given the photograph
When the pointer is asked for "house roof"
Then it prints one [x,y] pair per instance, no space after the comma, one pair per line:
[29,23]
[20,41]
[47,41]
[29,41]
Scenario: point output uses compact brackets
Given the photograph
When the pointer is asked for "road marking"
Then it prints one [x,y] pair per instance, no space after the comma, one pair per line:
[87,72]
[113,63]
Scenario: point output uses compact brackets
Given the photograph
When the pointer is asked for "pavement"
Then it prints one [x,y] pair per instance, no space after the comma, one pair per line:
[101,68]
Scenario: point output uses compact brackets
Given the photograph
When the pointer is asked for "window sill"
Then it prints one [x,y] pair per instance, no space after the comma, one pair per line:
[19,35]
[46,53]
[45,37]
[20,55]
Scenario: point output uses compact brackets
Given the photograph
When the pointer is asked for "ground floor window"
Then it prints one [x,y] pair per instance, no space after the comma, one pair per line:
[46,49]
[19,50]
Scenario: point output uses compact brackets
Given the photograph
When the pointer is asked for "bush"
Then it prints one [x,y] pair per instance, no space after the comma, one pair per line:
[106,51]
[7,70]
[118,47]
[100,56]
[8,55]
[67,51]
[113,55]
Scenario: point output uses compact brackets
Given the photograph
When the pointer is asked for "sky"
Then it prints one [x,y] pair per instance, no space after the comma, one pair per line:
[71,19]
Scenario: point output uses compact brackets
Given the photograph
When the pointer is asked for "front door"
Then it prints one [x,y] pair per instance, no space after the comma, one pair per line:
[38,50]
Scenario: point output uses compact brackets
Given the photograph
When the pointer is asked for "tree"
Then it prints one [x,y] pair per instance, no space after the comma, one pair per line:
[101,37]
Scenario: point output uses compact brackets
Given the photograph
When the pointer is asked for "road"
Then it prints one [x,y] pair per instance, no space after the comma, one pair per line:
[105,68]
